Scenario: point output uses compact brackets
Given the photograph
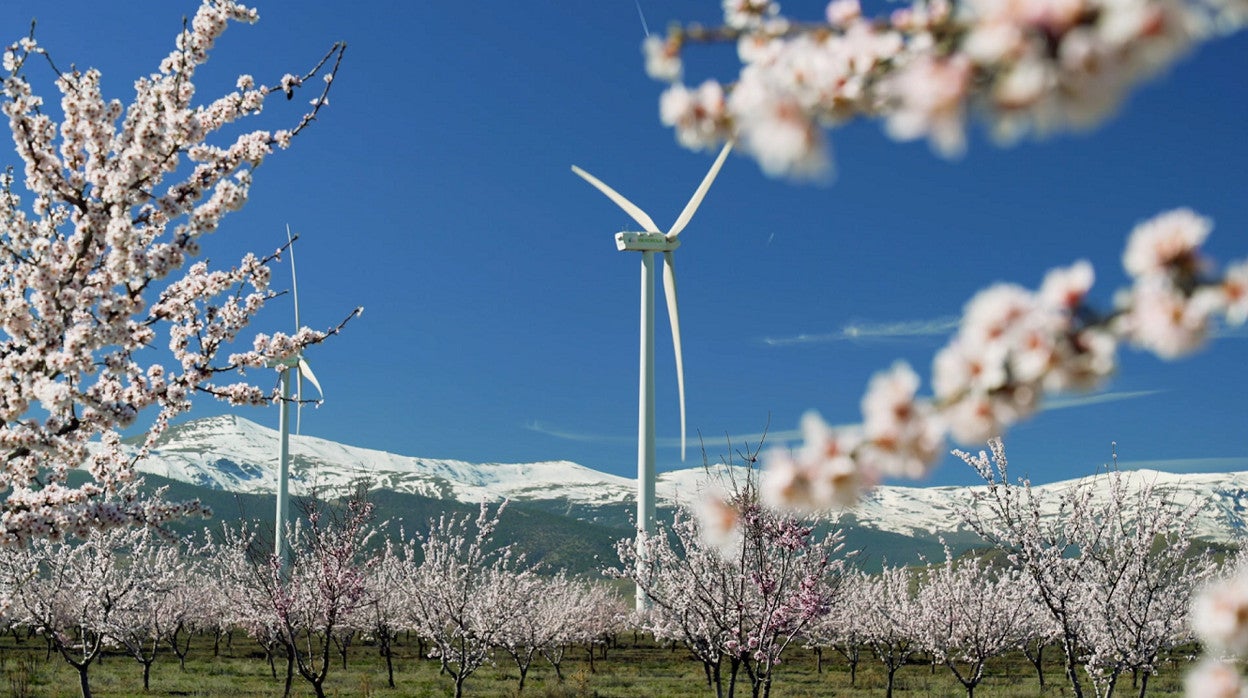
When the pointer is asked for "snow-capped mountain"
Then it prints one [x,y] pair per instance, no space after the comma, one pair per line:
[233,454]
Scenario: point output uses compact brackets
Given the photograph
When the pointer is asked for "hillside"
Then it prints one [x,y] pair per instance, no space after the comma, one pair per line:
[566,514]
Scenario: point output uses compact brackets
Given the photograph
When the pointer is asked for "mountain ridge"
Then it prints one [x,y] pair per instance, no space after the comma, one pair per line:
[234,454]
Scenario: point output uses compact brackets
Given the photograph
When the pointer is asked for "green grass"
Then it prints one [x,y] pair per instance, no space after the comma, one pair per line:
[628,671]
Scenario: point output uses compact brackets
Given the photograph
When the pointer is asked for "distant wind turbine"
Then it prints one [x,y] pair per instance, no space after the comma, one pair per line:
[298,366]
[649,242]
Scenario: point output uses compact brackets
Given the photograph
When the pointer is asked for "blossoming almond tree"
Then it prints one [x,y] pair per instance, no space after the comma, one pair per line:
[736,584]
[843,627]
[83,594]
[890,617]
[459,590]
[99,230]
[969,612]
[1115,572]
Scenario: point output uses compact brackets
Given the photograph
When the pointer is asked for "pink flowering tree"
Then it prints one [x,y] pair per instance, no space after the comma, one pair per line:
[238,562]
[844,627]
[970,612]
[324,587]
[890,616]
[1143,574]
[460,590]
[83,595]
[158,610]
[736,583]
[102,224]
[1110,558]
[386,601]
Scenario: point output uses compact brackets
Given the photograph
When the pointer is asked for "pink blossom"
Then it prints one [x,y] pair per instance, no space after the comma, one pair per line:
[1168,241]
[1220,614]
[1213,678]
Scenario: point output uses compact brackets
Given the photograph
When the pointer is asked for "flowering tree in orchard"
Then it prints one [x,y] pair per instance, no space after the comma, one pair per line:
[158,609]
[303,605]
[84,595]
[239,565]
[890,617]
[970,612]
[386,601]
[1141,581]
[844,627]
[1112,564]
[460,589]
[99,230]
[547,614]
[736,583]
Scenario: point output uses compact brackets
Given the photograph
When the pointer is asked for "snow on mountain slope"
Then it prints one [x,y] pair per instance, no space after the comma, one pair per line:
[928,511]
[234,454]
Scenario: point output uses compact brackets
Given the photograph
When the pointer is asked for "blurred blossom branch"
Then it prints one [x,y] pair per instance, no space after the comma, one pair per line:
[1024,67]
[95,268]
[1013,346]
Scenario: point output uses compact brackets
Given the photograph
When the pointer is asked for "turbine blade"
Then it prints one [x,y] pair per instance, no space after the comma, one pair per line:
[298,400]
[294,279]
[696,201]
[306,370]
[629,207]
[673,316]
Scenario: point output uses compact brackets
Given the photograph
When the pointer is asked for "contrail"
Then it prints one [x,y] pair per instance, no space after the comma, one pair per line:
[643,19]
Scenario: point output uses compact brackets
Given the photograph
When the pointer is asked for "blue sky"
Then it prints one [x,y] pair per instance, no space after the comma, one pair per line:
[500,322]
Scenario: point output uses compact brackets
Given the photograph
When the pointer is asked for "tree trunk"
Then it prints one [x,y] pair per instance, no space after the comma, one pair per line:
[290,670]
[888,691]
[1072,668]
[1144,683]
[387,652]
[818,660]
[83,684]
[343,645]
[1038,663]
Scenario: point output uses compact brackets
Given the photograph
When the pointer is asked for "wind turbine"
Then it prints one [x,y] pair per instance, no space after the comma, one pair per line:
[647,243]
[297,365]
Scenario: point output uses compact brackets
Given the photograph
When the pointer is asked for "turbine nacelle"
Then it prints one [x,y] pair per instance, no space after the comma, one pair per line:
[645,242]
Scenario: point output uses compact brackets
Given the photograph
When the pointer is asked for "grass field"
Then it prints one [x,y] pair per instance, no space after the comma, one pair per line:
[628,671]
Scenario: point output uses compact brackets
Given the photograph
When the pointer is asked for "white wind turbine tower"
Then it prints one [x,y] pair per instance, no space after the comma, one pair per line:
[649,242]
[298,366]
